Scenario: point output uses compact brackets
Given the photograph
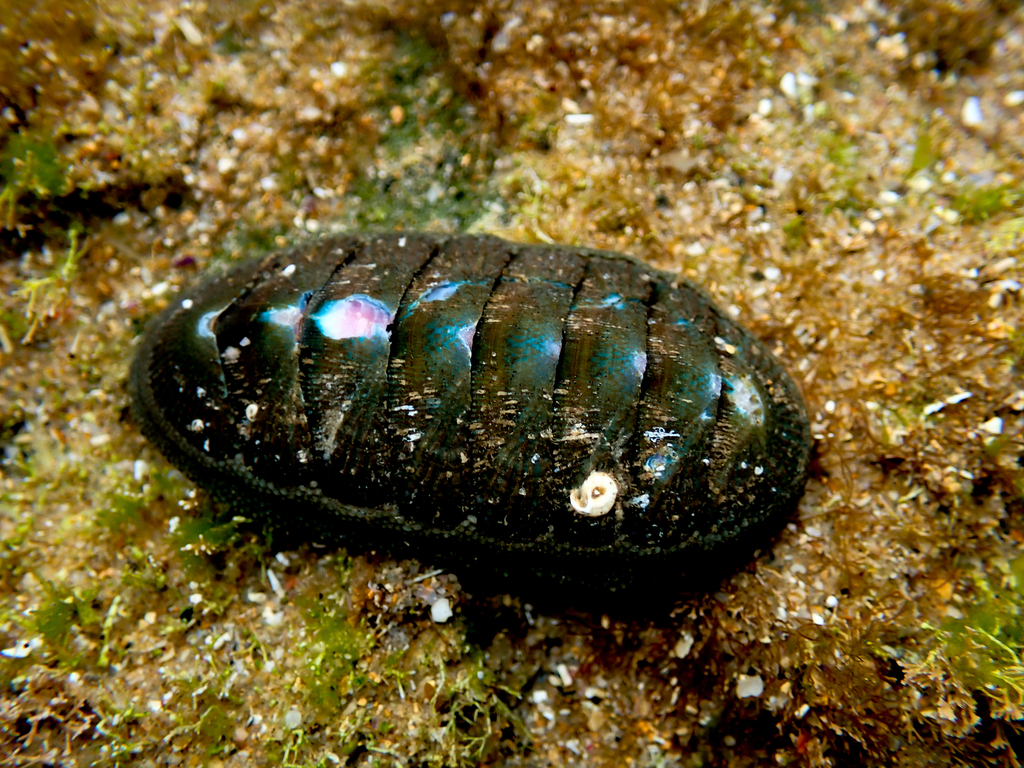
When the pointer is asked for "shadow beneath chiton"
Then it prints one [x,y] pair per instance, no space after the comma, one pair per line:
[498,595]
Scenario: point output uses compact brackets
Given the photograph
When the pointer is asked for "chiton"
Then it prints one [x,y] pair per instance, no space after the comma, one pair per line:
[545,413]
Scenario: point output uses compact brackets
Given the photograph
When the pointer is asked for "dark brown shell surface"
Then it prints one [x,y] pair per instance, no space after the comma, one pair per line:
[531,413]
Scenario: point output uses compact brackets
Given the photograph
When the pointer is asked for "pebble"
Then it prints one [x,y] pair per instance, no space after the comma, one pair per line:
[683,645]
[293,719]
[502,40]
[781,177]
[1002,265]
[749,686]
[1014,99]
[920,183]
[838,23]
[189,30]
[564,676]
[271,617]
[22,649]
[441,611]
[798,86]
[275,583]
[805,82]
[895,46]
[788,86]
[223,640]
[970,114]
[993,426]
[579,120]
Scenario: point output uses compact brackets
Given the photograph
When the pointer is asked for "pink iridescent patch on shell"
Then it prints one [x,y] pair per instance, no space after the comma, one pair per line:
[354,317]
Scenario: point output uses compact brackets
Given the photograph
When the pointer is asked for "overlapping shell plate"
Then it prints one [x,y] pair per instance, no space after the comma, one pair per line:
[536,411]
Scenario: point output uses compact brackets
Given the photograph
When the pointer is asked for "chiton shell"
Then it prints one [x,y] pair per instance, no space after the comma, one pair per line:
[532,412]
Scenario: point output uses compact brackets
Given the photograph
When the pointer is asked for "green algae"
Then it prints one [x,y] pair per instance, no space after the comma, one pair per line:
[980,203]
[413,98]
[64,609]
[839,149]
[926,150]
[46,296]
[29,167]
[338,644]
[474,709]
[795,231]
[985,648]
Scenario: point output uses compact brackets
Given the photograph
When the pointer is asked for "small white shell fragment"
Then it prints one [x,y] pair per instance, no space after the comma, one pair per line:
[971,114]
[894,46]
[441,611]
[564,676]
[271,617]
[579,120]
[251,410]
[596,496]
[189,30]
[788,85]
[781,176]
[749,686]
[275,583]
[683,645]
[22,649]
[993,426]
